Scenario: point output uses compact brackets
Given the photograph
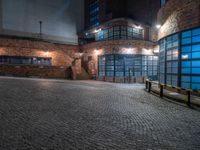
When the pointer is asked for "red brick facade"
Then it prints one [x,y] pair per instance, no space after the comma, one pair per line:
[178,15]
[62,56]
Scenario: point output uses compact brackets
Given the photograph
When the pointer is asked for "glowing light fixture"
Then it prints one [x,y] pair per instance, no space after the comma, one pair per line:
[97,30]
[128,50]
[158,26]
[184,56]
[139,27]
[47,53]
[96,51]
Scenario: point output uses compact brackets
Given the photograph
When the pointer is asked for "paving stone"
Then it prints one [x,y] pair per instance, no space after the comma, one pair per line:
[42,114]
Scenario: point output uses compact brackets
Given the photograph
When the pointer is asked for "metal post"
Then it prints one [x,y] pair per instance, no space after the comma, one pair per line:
[40,22]
[146,84]
[188,97]
[161,91]
[149,89]
[129,75]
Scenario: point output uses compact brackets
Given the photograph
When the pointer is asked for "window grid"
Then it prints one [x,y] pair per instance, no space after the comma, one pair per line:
[94,13]
[119,32]
[121,65]
[190,59]
[19,60]
[189,62]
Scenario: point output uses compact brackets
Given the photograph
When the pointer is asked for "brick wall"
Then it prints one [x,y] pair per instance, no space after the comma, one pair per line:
[93,50]
[178,15]
[62,57]
[35,71]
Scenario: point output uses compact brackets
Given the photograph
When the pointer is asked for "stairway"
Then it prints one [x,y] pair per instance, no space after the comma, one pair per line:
[83,76]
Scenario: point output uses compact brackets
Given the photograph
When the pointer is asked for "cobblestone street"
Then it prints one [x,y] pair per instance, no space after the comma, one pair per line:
[42,114]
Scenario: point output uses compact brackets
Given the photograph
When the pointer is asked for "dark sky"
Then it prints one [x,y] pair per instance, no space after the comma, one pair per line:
[61,18]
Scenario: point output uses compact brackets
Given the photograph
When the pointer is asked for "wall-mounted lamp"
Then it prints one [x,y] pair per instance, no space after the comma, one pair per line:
[139,27]
[47,53]
[184,56]
[158,26]
[97,30]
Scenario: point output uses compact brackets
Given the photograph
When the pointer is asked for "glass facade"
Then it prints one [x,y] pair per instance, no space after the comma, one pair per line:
[124,65]
[120,32]
[94,13]
[180,60]
[162,2]
[190,59]
[19,60]
[169,60]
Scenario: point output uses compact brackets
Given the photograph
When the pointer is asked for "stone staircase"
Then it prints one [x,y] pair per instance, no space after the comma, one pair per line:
[83,76]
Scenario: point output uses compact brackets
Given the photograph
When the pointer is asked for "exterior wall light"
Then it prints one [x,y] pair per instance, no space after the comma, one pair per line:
[147,51]
[158,26]
[97,30]
[139,27]
[47,53]
[184,56]
[96,51]
[128,50]
[80,54]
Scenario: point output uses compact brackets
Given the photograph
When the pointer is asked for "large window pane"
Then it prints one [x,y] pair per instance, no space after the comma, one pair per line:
[191,53]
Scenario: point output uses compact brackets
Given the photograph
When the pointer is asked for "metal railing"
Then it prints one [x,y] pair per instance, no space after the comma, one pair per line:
[188,92]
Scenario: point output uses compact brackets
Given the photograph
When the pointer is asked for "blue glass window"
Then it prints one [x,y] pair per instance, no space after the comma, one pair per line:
[186,64]
[196,86]
[196,79]
[196,47]
[196,55]
[122,65]
[94,13]
[186,41]
[186,49]
[196,32]
[186,70]
[119,32]
[195,39]
[191,53]
[186,34]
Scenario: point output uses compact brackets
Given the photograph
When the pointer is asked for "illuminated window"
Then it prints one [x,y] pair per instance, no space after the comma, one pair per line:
[123,65]
[162,2]
[119,32]
[94,9]
[190,59]
[187,58]
[19,60]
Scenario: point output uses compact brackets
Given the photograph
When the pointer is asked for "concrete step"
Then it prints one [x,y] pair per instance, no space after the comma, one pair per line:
[83,76]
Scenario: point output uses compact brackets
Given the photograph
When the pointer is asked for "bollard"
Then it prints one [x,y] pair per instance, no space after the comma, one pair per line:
[161,90]
[146,84]
[188,97]
[113,79]
[149,89]
[104,78]
[129,75]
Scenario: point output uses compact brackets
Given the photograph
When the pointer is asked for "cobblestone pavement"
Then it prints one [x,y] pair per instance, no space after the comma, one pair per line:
[40,114]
